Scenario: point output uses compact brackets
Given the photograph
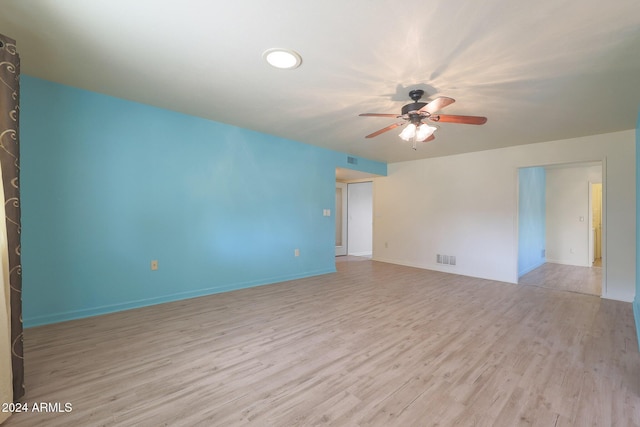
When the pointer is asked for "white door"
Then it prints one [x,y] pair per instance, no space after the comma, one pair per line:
[360,225]
[341,219]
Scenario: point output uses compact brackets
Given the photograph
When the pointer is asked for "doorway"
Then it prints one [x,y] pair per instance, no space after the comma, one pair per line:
[354,213]
[560,227]
[354,219]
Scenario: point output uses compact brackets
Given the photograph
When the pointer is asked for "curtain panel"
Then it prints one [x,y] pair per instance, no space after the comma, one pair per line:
[10,165]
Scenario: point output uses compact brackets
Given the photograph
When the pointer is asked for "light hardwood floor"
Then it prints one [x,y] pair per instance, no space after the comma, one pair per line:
[372,345]
[584,280]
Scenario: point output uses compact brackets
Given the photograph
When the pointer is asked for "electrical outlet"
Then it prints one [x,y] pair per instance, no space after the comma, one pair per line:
[296,252]
[154,264]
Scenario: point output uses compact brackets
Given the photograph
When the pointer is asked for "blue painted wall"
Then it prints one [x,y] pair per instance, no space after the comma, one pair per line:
[531,219]
[109,185]
[636,300]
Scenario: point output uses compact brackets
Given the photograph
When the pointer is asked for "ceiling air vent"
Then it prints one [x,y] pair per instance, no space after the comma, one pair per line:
[352,160]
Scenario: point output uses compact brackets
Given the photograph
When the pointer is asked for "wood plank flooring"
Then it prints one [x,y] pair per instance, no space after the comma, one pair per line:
[572,278]
[374,344]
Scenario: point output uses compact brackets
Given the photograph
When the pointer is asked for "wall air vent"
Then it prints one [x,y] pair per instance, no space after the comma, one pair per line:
[352,160]
[446,259]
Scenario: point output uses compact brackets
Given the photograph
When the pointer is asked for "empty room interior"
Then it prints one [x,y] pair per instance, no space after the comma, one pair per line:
[332,213]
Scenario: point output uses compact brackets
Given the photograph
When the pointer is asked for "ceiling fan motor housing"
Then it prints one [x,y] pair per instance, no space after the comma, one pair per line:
[413,107]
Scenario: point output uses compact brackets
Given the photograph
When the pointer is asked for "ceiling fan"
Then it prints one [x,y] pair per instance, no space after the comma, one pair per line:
[416,112]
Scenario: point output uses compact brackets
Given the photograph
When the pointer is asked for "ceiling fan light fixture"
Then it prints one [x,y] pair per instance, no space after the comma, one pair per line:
[424,131]
[409,132]
[285,59]
[417,133]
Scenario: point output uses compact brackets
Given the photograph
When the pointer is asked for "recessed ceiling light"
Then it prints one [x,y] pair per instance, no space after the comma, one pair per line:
[282,58]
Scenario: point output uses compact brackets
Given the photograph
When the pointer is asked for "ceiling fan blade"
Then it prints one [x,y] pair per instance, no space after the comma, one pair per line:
[466,120]
[437,104]
[377,115]
[383,130]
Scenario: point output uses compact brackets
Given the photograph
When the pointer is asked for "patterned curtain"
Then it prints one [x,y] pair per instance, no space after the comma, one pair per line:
[10,165]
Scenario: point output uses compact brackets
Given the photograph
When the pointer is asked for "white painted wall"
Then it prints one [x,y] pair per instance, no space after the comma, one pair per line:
[568,213]
[466,205]
[360,212]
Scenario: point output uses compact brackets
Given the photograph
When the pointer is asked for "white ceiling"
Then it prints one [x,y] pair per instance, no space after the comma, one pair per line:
[540,71]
